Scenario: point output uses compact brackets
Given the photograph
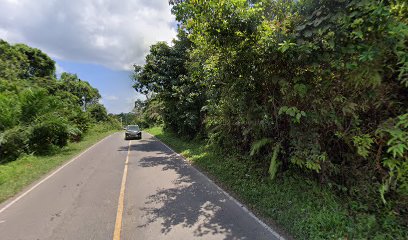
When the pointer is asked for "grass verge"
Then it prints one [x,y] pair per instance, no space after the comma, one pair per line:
[16,175]
[300,206]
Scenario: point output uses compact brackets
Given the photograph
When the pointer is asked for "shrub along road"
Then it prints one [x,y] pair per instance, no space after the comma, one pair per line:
[163,198]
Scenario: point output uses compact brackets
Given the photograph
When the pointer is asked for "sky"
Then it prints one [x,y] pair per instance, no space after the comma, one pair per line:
[99,40]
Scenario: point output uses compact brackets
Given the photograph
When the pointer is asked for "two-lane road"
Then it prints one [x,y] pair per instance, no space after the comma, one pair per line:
[138,189]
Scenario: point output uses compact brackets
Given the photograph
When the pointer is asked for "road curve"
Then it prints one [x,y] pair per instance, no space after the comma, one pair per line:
[164,198]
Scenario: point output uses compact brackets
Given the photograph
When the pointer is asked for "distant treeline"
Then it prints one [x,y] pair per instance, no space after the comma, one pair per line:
[312,86]
[38,111]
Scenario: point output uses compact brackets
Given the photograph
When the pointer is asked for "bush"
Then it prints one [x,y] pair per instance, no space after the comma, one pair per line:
[36,102]
[10,111]
[81,120]
[327,81]
[75,134]
[48,134]
[111,124]
[98,112]
[13,143]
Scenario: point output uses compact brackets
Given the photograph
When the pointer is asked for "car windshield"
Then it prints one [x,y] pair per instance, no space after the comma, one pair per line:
[133,128]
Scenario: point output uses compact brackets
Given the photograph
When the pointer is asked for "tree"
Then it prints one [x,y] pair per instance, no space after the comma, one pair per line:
[317,86]
[98,112]
[84,92]
[38,112]
[35,63]
[165,74]
[20,62]
[139,107]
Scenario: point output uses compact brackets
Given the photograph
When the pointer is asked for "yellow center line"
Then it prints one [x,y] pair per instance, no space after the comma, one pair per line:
[118,224]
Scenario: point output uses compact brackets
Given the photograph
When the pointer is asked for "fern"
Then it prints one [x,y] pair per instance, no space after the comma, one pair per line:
[258,145]
[274,164]
[273,167]
[397,159]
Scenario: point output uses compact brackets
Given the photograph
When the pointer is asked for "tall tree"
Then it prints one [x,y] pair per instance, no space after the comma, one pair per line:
[165,74]
[85,93]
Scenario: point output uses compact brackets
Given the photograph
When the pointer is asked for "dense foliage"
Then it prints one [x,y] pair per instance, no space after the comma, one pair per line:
[146,113]
[166,74]
[315,86]
[39,112]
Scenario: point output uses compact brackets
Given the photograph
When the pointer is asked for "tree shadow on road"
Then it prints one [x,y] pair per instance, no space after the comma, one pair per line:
[145,145]
[192,203]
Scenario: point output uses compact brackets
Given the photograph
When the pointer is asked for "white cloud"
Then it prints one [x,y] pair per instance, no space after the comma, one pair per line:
[131,99]
[110,97]
[113,33]
[3,33]
[59,70]
[17,2]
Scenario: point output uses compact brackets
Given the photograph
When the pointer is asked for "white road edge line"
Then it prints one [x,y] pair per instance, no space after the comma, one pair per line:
[2,222]
[49,176]
[277,235]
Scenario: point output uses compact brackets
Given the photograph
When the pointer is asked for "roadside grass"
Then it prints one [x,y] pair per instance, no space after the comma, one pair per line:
[299,206]
[16,175]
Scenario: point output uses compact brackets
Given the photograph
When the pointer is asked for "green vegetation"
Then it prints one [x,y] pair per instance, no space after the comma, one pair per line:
[296,92]
[301,206]
[145,113]
[43,119]
[40,113]
[16,175]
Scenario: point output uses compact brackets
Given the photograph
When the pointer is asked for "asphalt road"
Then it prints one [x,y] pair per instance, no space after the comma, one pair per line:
[163,198]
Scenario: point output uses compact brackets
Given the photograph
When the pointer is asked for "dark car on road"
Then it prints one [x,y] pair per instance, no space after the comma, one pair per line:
[133,132]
